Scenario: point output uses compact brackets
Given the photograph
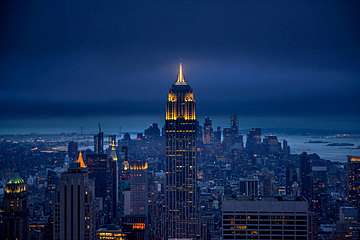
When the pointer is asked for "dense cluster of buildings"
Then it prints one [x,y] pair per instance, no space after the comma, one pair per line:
[184,181]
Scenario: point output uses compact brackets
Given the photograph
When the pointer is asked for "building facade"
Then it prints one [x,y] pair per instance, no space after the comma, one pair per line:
[265,219]
[354,180]
[74,210]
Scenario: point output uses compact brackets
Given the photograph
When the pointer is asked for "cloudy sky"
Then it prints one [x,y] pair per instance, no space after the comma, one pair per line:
[120,57]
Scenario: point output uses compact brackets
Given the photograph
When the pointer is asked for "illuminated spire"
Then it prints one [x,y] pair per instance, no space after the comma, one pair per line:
[80,160]
[180,79]
[113,150]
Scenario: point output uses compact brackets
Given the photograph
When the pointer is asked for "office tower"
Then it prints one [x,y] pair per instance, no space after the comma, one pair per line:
[348,226]
[227,138]
[249,187]
[266,184]
[305,176]
[114,165]
[272,145]
[152,132]
[102,170]
[72,150]
[353,172]
[199,134]
[320,191]
[138,188]
[110,232]
[217,136]
[74,216]
[181,221]
[236,137]
[253,140]
[135,193]
[269,218]
[53,181]
[234,124]
[286,147]
[208,131]
[99,142]
[15,216]
[139,136]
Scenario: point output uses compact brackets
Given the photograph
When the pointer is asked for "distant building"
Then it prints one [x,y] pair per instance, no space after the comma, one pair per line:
[74,211]
[253,140]
[227,138]
[208,131]
[99,142]
[138,188]
[103,171]
[265,219]
[15,215]
[135,227]
[217,136]
[249,187]
[72,150]
[272,145]
[236,137]
[135,200]
[306,180]
[353,172]
[111,232]
[152,132]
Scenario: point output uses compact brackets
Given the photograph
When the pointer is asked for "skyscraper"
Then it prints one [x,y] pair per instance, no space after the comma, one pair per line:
[99,142]
[15,210]
[208,131]
[73,150]
[136,200]
[181,221]
[253,140]
[354,180]
[74,217]
[306,176]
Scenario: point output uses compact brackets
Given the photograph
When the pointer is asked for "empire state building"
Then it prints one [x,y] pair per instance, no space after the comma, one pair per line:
[181,220]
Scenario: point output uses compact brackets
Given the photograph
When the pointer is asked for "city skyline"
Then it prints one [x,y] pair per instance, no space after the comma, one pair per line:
[179,120]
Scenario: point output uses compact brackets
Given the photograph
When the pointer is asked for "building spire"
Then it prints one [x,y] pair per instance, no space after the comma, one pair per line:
[80,160]
[180,78]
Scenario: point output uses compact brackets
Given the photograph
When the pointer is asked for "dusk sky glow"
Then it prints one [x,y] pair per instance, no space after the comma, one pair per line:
[121,56]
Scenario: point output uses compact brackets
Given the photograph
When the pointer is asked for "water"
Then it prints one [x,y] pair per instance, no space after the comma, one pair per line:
[298,131]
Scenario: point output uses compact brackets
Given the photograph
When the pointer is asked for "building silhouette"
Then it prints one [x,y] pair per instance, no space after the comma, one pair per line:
[74,210]
[181,221]
[99,142]
[208,131]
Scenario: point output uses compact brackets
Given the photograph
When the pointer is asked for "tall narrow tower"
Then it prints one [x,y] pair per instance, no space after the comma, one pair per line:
[74,215]
[181,221]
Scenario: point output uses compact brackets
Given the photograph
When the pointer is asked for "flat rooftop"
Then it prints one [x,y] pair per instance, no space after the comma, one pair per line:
[264,205]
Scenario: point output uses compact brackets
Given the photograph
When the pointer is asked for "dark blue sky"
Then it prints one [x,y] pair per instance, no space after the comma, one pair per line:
[120,57]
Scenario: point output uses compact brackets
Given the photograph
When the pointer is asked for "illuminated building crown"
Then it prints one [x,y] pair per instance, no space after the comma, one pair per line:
[15,185]
[181,101]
